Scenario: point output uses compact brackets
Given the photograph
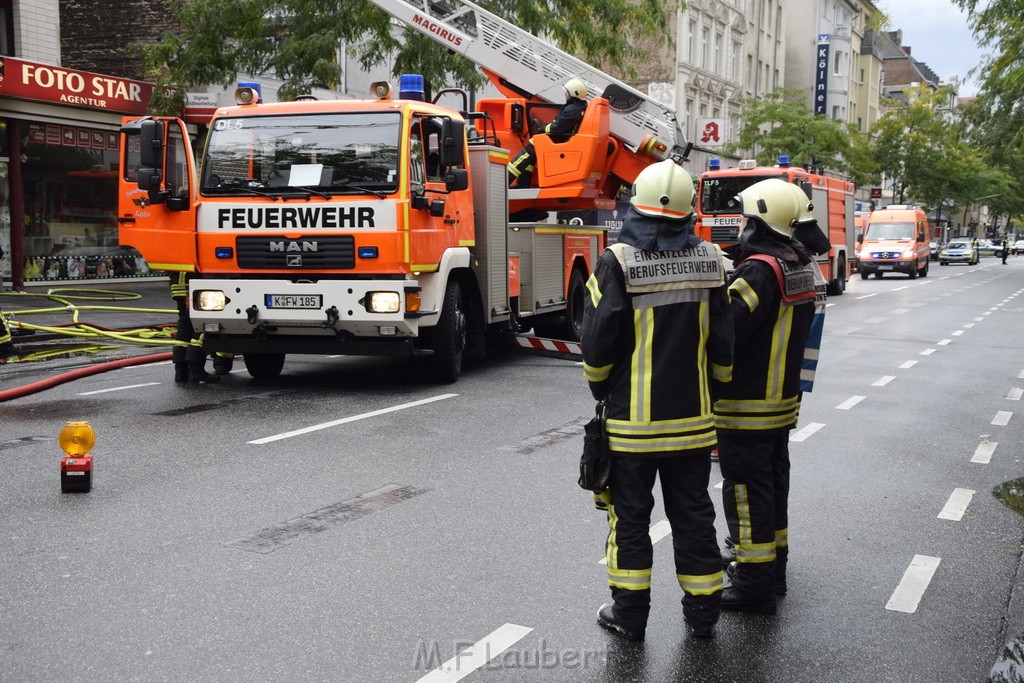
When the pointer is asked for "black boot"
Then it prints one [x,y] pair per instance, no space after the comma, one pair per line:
[198,374]
[180,373]
[607,618]
[222,364]
[735,600]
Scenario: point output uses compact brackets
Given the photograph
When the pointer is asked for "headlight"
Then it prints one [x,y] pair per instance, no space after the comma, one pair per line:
[909,253]
[865,253]
[383,302]
[210,300]
[943,253]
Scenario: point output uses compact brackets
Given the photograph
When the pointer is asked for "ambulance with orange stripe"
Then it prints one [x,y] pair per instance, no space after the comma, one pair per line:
[385,226]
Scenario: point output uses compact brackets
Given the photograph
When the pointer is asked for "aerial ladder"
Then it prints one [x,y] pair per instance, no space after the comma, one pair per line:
[623,130]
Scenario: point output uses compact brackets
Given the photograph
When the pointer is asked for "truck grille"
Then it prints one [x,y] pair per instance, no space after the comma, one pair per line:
[303,253]
[725,234]
[885,254]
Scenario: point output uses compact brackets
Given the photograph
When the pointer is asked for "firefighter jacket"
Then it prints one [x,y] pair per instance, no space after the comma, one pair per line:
[567,121]
[772,302]
[656,338]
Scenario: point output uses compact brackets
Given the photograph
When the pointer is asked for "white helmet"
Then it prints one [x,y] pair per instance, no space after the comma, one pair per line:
[576,88]
[806,214]
[774,202]
[663,190]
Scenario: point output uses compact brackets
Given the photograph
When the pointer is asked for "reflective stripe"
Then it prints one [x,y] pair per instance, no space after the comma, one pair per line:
[782,538]
[643,352]
[755,553]
[704,317]
[630,579]
[600,374]
[675,443]
[672,296]
[595,290]
[722,373]
[611,548]
[777,360]
[742,513]
[703,584]
[755,405]
[660,426]
[743,290]
[757,422]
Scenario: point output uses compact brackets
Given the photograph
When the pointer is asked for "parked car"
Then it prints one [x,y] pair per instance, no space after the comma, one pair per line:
[1017,248]
[959,251]
[934,248]
[987,248]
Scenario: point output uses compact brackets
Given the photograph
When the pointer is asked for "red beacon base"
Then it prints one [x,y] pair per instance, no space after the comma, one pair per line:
[76,473]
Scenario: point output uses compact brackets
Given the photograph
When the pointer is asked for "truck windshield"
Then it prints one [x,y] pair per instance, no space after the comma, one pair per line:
[889,231]
[718,193]
[305,153]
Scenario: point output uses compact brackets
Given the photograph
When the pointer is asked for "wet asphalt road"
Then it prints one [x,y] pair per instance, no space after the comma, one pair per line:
[352,521]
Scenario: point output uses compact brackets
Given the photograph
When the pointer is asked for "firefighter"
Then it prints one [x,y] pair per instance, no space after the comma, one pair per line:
[656,337]
[564,125]
[189,358]
[772,302]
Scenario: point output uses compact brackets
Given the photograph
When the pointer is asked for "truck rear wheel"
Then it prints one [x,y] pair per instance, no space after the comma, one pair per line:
[838,285]
[572,328]
[448,338]
[263,365]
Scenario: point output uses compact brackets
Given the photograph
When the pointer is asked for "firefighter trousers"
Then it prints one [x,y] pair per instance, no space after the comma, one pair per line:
[755,498]
[629,501]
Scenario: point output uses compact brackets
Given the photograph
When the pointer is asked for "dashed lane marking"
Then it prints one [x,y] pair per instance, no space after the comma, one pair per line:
[867,296]
[909,364]
[130,386]
[1002,418]
[850,402]
[945,342]
[969,325]
[802,434]
[957,504]
[475,656]
[1021,375]
[353,418]
[878,319]
[1015,394]
[899,288]
[912,586]
[983,453]
[927,352]
[883,380]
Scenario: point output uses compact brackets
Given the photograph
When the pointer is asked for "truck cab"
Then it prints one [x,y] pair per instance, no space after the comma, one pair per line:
[895,241]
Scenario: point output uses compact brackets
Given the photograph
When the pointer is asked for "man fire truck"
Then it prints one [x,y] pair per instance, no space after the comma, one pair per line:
[381,226]
[718,210]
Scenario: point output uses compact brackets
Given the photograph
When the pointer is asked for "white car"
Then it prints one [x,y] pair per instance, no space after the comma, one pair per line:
[1017,248]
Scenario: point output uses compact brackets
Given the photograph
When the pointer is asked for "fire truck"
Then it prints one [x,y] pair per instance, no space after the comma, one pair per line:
[385,226]
[833,199]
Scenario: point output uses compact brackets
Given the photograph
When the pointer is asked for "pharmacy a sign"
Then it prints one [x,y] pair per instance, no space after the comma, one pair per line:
[821,75]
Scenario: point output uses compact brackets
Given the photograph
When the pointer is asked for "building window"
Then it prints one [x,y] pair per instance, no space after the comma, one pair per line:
[835,112]
[692,47]
[718,53]
[704,38]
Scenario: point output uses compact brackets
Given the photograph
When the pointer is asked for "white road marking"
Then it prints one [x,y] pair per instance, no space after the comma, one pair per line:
[802,434]
[987,313]
[927,352]
[1015,394]
[720,485]
[658,531]
[883,380]
[1021,375]
[958,333]
[978,319]
[1002,418]
[850,402]
[909,364]
[969,325]
[130,386]
[867,296]
[945,342]
[876,320]
[957,504]
[482,651]
[345,420]
[899,288]
[983,453]
[913,584]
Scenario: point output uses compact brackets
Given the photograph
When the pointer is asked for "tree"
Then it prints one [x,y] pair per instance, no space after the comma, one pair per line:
[780,123]
[298,41]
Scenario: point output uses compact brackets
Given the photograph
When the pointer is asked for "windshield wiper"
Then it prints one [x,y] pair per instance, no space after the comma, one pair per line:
[349,185]
[238,189]
[278,190]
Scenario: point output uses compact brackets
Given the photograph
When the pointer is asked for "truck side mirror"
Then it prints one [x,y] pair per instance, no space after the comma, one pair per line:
[456,179]
[149,180]
[151,144]
[453,143]
[518,117]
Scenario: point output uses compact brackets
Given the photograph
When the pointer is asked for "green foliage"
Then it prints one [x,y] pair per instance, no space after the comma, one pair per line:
[781,123]
[297,41]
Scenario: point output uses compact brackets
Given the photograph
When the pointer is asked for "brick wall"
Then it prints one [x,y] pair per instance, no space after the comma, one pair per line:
[95,34]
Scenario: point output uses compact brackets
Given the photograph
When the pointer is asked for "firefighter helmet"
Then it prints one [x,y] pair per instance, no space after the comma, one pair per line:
[775,203]
[575,87]
[663,190]
[806,214]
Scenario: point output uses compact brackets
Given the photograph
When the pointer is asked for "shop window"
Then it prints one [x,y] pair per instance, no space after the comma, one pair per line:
[70,181]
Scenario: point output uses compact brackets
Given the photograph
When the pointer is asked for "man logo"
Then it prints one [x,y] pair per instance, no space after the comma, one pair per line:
[294,261]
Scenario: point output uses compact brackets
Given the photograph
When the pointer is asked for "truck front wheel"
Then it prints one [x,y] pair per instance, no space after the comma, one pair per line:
[263,365]
[448,338]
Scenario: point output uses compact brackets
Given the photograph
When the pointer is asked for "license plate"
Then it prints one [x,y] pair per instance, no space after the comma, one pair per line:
[885,267]
[294,301]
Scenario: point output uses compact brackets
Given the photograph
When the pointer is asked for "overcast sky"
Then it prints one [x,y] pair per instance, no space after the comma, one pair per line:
[937,33]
